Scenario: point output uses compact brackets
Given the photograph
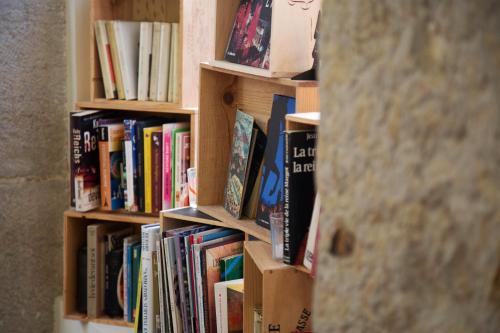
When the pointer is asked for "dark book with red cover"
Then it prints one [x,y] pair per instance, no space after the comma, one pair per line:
[156,168]
[249,43]
[84,155]
[300,166]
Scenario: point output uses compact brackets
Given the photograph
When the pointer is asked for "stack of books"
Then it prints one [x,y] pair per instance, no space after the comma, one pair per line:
[139,60]
[137,164]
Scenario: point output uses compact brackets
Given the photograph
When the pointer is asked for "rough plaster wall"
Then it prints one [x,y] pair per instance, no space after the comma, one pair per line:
[32,161]
[409,167]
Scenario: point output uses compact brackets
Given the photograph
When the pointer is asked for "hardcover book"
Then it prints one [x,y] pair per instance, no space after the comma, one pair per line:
[238,164]
[113,302]
[156,170]
[85,189]
[249,43]
[300,166]
[231,267]
[139,135]
[273,167]
[148,205]
[110,162]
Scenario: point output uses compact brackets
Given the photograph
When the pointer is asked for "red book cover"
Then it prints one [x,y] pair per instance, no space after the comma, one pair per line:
[156,171]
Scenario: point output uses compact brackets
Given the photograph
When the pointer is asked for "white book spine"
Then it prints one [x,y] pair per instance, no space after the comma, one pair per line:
[160,286]
[220,291]
[146,42]
[155,52]
[164,62]
[168,313]
[311,237]
[148,246]
[173,76]
[127,39]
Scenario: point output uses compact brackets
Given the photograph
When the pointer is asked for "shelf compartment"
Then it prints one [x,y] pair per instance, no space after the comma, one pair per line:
[306,120]
[222,92]
[192,48]
[290,22]
[270,284]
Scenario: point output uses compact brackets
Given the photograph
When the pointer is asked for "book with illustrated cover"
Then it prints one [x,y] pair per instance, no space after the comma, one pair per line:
[300,167]
[249,43]
[176,162]
[238,163]
[84,155]
[229,306]
[211,255]
[231,267]
[110,162]
[273,165]
[182,160]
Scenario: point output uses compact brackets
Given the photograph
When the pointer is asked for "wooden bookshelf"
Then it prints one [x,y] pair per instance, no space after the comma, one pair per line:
[114,216]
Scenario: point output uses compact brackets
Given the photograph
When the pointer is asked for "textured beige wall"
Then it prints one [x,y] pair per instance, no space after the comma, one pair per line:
[32,161]
[409,167]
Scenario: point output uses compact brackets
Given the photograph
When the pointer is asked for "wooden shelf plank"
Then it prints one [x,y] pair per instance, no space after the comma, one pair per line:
[189,214]
[306,118]
[115,216]
[111,321]
[228,68]
[144,106]
[244,224]
[261,254]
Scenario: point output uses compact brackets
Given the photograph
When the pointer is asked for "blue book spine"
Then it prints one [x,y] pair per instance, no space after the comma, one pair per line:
[129,279]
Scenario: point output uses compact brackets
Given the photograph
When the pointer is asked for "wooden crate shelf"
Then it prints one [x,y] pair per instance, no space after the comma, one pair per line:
[283,292]
[192,49]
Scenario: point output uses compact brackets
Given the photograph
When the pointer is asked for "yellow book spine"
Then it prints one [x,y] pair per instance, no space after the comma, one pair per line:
[138,309]
[148,205]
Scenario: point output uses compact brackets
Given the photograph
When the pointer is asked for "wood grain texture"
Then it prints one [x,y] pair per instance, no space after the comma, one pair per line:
[146,106]
[253,291]
[115,216]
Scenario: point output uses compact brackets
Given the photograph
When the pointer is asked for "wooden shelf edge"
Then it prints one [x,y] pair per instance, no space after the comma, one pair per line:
[115,216]
[306,118]
[144,106]
[256,73]
[101,320]
[244,224]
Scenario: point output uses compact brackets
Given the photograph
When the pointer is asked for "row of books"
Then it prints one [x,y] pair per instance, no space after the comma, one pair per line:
[271,178]
[139,60]
[188,279]
[181,271]
[139,164]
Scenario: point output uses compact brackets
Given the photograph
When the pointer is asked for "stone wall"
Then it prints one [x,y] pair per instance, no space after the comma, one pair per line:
[33,171]
[409,167]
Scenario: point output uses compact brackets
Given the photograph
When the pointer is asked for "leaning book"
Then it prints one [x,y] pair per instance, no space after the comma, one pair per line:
[85,191]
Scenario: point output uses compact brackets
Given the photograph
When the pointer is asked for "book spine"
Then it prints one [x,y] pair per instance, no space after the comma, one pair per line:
[156,168]
[153,84]
[180,277]
[140,167]
[129,163]
[144,60]
[110,27]
[101,41]
[75,153]
[173,89]
[133,138]
[167,169]
[182,189]
[104,168]
[147,172]
[148,247]
[286,204]
[91,271]
[126,280]
[164,62]
[199,290]
[160,285]
[136,281]
[115,161]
